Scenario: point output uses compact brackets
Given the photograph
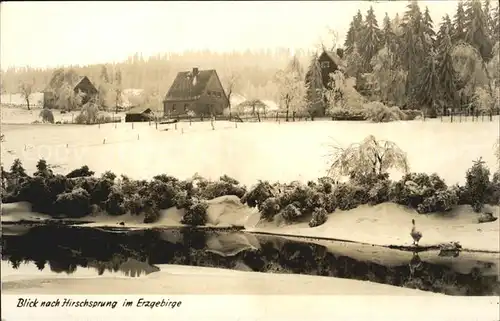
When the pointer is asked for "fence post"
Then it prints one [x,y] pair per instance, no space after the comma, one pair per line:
[132,125]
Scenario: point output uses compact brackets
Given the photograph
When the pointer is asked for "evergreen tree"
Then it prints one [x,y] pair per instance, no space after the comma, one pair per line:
[447,76]
[459,19]
[354,63]
[495,23]
[350,39]
[488,12]
[370,39]
[445,29]
[411,53]
[118,90]
[358,23]
[104,75]
[388,36]
[396,23]
[428,33]
[314,88]
[476,28]
[118,77]
[295,66]
[103,98]
[353,36]
[426,94]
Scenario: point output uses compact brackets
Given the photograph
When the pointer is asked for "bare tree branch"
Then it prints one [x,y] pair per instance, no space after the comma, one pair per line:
[26,90]
[230,83]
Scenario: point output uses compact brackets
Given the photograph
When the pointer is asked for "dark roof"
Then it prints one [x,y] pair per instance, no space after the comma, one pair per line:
[139,110]
[61,77]
[335,58]
[76,81]
[184,88]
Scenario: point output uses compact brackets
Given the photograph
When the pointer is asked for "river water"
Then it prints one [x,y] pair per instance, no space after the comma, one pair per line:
[91,252]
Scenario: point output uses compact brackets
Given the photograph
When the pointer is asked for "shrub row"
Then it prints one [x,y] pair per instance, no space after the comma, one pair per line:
[422,192]
[375,112]
[80,193]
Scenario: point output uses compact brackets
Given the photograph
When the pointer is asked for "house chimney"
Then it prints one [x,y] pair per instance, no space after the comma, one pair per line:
[195,76]
[340,53]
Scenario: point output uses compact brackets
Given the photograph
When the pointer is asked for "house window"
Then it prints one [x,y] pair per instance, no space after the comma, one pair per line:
[209,93]
[325,64]
[186,107]
[218,94]
[173,107]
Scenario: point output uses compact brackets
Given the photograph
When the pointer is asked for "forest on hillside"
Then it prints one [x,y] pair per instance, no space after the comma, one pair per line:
[411,61]
[408,61]
[155,74]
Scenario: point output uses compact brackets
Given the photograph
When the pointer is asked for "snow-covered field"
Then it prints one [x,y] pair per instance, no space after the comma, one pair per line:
[174,280]
[252,151]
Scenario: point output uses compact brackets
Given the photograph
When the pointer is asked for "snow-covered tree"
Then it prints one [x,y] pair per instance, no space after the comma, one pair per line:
[371,156]
[291,91]
[314,89]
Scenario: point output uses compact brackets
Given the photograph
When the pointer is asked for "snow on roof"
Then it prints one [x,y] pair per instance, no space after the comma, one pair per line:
[237,99]
[127,94]
[271,105]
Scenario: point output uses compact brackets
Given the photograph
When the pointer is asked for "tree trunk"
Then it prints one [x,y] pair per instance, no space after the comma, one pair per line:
[28,103]
[287,110]
[229,103]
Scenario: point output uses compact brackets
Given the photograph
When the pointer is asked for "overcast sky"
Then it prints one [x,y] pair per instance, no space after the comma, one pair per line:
[41,34]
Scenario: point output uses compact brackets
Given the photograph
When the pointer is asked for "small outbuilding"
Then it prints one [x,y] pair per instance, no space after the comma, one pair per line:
[139,114]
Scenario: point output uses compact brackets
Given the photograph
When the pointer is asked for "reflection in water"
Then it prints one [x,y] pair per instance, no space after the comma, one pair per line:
[415,263]
[135,253]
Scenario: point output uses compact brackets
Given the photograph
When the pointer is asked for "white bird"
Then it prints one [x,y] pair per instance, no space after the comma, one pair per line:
[416,235]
